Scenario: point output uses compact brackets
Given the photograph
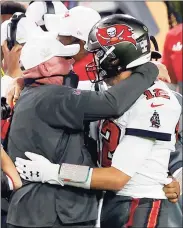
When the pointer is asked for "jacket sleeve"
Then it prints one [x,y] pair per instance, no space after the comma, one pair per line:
[72,107]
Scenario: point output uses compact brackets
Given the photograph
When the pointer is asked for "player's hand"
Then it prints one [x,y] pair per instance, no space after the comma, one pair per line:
[172,191]
[14,90]
[38,169]
[11,59]
[163,72]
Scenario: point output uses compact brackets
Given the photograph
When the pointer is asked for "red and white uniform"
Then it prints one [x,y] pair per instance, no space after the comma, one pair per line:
[139,143]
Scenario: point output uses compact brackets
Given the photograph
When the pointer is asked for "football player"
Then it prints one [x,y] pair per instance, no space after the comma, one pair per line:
[134,149]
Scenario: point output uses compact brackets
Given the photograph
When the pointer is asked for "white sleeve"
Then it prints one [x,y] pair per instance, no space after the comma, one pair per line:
[131,153]
[5,83]
[154,122]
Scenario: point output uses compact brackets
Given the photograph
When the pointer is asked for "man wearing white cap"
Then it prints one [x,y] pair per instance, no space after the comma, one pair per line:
[23,29]
[48,119]
[73,26]
[38,10]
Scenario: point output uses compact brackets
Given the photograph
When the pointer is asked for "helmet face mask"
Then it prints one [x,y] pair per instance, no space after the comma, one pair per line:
[119,42]
[105,65]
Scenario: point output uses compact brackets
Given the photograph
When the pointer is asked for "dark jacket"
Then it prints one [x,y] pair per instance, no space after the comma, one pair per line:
[48,120]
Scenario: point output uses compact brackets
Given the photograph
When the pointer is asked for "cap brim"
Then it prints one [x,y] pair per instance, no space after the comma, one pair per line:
[155,55]
[69,50]
[58,24]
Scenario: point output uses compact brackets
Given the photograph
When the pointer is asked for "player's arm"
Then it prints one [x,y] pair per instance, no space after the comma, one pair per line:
[12,176]
[126,161]
[71,109]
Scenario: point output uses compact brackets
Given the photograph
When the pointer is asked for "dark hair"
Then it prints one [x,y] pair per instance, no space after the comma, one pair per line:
[11,7]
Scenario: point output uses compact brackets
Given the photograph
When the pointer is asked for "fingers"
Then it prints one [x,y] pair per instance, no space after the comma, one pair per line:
[10,96]
[173,200]
[172,184]
[169,190]
[20,170]
[172,191]
[17,93]
[5,47]
[17,48]
[18,164]
[35,157]
[21,173]
[14,91]
[23,177]
[22,162]
[172,195]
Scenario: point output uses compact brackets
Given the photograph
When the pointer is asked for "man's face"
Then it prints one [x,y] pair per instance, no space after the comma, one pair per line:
[60,65]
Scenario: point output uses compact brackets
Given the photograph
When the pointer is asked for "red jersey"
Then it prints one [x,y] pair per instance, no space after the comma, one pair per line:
[172,54]
[79,67]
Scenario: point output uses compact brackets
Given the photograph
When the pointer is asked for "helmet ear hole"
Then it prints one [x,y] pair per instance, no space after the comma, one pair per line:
[115,62]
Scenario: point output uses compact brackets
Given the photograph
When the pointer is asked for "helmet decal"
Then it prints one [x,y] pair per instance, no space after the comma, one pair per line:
[115,34]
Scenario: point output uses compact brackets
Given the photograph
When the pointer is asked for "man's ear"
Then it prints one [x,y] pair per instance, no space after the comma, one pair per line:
[44,70]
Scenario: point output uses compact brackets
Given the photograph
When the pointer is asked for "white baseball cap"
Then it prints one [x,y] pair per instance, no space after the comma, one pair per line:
[76,22]
[37,10]
[40,49]
[25,28]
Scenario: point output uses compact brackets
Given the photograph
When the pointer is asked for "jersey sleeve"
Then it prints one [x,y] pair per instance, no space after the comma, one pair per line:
[156,119]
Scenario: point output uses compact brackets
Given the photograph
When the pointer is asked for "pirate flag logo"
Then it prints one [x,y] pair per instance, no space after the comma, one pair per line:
[115,34]
[155,121]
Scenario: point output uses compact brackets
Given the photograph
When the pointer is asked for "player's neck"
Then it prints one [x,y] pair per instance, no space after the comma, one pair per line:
[121,77]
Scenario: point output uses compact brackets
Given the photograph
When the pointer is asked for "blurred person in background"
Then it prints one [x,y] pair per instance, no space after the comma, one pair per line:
[172,53]
[37,10]
[8,8]
[22,30]
[16,30]
[72,26]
